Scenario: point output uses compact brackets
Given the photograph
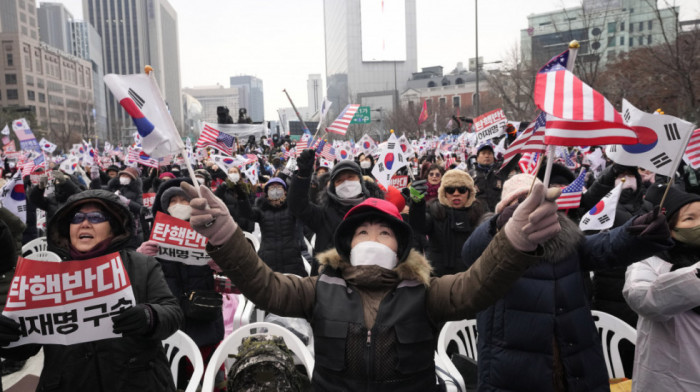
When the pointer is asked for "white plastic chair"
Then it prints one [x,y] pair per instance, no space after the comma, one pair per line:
[43,255]
[463,333]
[35,245]
[448,373]
[240,310]
[180,345]
[252,314]
[608,324]
[253,240]
[230,346]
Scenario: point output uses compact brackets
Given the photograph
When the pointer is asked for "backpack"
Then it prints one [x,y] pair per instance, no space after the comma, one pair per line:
[264,363]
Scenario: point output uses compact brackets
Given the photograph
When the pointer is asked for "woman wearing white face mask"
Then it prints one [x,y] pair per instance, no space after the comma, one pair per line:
[128,186]
[235,192]
[182,278]
[282,233]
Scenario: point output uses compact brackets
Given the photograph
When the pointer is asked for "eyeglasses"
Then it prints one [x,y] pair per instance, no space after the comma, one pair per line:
[434,174]
[452,189]
[92,217]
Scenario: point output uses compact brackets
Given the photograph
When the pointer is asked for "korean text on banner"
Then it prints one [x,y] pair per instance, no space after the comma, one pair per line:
[490,125]
[69,302]
[148,199]
[177,241]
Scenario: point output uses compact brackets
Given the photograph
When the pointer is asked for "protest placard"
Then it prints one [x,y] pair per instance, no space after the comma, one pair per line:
[490,125]
[177,241]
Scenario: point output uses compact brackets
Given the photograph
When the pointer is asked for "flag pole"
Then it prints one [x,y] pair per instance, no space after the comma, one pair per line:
[573,51]
[149,71]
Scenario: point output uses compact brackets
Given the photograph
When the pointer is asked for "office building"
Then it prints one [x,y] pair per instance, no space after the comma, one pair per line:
[135,34]
[250,96]
[370,51]
[314,88]
[55,26]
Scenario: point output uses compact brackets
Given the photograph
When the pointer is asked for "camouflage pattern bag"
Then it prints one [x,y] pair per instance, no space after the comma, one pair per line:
[264,363]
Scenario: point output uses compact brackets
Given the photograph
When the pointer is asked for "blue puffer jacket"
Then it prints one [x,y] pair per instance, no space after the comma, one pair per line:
[542,329]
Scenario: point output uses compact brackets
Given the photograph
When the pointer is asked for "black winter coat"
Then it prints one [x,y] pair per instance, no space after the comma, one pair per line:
[447,229]
[282,237]
[545,315]
[489,183]
[52,203]
[121,364]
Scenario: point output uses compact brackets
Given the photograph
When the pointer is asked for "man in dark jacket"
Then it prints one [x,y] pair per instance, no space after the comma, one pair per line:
[487,178]
[64,187]
[135,361]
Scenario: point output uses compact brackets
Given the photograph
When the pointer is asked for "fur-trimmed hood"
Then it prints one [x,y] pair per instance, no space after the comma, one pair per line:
[455,178]
[416,267]
[565,242]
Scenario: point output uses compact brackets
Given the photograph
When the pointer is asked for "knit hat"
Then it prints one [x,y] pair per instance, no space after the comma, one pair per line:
[131,172]
[166,175]
[455,178]
[560,174]
[675,200]
[345,165]
[515,187]
[483,146]
[112,168]
[275,180]
[369,210]
[169,193]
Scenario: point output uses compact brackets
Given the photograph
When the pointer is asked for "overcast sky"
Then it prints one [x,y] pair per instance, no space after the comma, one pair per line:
[281,41]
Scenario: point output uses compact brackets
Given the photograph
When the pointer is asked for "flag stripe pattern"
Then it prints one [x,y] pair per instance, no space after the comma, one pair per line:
[340,125]
[692,152]
[571,194]
[531,140]
[219,140]
[587,133]
[528,162]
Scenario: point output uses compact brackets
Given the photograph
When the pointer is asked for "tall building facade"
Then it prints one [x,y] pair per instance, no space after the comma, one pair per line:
[136,33]
[250,96]
[605,29]
[314,89]
[55,26]
[55,85]
[371,51]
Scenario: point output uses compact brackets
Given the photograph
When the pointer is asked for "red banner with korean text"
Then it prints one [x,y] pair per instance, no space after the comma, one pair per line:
[149,199]
[68,302]
[177,241]
[399,182]
[490,125]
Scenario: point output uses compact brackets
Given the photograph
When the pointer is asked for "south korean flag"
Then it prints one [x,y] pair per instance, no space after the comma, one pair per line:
[602,215]
[391,159]
[662,140]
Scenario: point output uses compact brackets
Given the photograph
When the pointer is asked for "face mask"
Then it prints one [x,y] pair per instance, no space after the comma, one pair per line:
[200,180]
[275,193]
[689,235]
[365,164]
[234,177]
[373,253]
[180,211]
[348,189]
[630,183]
[124,180]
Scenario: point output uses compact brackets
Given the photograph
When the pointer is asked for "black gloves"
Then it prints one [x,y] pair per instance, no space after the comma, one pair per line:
[417,190]
[9,331]
[135,321]
[305,163]
[59,177]
[651,225]
[241,191]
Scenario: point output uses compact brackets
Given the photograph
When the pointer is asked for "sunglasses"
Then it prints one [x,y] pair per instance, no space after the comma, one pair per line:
[434,174]
[92,217]
[452,189]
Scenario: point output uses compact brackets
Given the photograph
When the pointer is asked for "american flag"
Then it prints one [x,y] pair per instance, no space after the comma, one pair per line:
[579,115]
[303,143]
[340,125]
[531,140]
[214,138]
[449,161]
[139,156]
[328,152]
[528,162]
[571,194]
[692,152]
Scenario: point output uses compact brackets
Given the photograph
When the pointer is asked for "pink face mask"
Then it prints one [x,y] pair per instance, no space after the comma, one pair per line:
[630,182]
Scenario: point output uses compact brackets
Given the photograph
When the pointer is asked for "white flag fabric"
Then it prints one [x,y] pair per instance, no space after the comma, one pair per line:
[70,164]
[47,145]
[251,173]
[662,139]
[406,146]
[140,97]
[6,130]
[325,106]
[602,215]
[391,159]
[225,162]
[14,198]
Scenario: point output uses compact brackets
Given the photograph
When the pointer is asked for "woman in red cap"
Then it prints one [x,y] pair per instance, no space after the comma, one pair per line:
[374,308]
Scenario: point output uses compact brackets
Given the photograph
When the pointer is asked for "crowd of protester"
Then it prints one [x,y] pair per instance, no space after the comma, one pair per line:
[465,238]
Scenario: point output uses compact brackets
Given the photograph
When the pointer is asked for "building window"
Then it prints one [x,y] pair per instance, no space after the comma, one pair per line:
[431,84]
[30,95]
[641,40]
[429,104]
[650,24]
[12,94]
[622,26]
[459,81]
[42,97]
[40,83]
[641,26]
[611,42]
[10,78]
[445,82]
[9,60]
[631,42]
[611,55]
[622,41]
[411,105]
[649,39]
[631,28]
[30,80]
[456,101]
[443,101]
[612,26]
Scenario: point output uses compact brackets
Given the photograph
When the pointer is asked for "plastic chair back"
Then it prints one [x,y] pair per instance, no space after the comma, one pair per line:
[179,345]
[253,240]
[463,334]
[43,255]
[232,342]
[611,330]
[35,245]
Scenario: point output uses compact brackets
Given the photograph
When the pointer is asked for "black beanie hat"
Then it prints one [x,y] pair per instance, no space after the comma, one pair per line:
[345,165]
[560,174]
[675,200]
